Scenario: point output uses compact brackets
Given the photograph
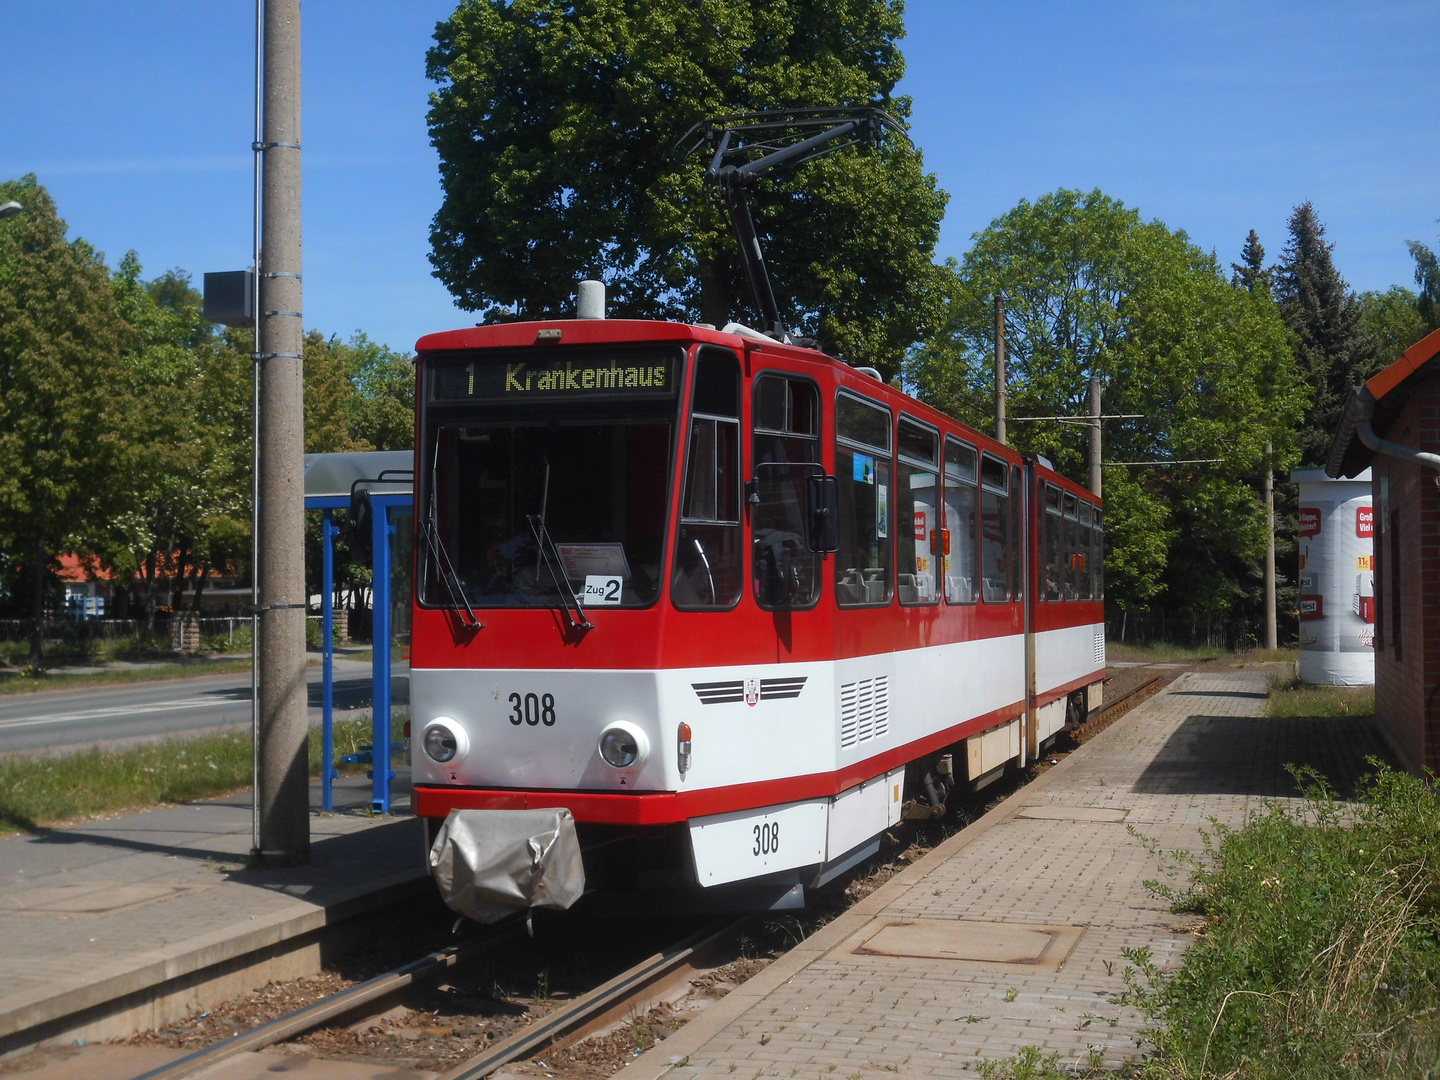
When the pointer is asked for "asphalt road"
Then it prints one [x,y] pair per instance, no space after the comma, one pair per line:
[127,712]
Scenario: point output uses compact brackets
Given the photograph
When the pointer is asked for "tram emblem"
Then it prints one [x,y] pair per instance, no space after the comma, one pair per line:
[752,691]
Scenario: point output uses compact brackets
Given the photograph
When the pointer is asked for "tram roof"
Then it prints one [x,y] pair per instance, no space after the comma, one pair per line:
[576,332]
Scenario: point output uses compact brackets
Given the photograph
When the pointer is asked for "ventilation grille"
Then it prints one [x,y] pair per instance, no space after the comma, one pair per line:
[864,710]
[1099,648]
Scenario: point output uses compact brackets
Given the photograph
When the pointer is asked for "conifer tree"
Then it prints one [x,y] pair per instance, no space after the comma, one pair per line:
[1250,273]
[1324,318]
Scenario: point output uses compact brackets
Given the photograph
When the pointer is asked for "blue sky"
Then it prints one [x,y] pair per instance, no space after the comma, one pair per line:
[1215,117]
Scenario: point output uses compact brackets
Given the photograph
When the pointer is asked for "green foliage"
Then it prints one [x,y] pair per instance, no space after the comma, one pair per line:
[1391,322]
[48,789]
[64,397]
[1427,277]
[1324,318]
[359,395]
[1091,288]
[555,122]
[1321,956]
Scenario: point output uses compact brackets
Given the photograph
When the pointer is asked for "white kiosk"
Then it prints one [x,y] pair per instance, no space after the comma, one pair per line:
[1337,579]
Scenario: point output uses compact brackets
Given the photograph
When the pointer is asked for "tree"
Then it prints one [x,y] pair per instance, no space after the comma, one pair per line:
[64,397]
[1427,276]
[1250,273]
[1324,318]
[1390,322]
[555,122]
[1091,288]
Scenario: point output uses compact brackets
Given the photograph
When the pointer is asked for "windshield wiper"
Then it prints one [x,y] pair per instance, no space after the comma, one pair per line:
[550,556]
[430,531]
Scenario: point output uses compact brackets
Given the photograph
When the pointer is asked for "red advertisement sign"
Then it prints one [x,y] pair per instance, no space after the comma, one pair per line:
[920,525]
[1309,521]
[1365,522]
[1312,607]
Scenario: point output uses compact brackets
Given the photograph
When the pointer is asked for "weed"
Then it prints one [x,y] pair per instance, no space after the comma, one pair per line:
[1290,697]
[1011,993]
[1321,951]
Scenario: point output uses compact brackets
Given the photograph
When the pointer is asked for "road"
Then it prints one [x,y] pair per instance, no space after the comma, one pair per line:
[126,712]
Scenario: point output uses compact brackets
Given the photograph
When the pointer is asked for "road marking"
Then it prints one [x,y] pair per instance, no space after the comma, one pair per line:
[127,710]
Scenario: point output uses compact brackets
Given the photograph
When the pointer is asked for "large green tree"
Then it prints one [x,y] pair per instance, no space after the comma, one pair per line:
[1327,336]
[1092,288]
[64,395]
[555,121]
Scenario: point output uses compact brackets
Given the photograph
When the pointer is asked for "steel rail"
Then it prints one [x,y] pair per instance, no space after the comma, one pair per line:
[588,1008]
[326,1009]
[1103,709]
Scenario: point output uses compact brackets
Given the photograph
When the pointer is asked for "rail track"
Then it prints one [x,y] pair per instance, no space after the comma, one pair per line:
[631,990]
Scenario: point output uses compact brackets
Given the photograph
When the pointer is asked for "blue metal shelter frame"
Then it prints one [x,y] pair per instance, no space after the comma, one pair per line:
[329,481]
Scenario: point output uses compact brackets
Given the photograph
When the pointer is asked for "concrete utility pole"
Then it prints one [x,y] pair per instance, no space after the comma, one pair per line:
[1000,367]
[1095,469]
[283,788]
[1272,640]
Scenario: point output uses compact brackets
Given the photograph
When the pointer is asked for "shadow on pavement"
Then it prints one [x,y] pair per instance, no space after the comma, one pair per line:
[1247,755]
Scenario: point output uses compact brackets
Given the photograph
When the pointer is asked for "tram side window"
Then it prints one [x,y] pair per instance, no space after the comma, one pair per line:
[787,450]
[862,467]
[1054,545]
[1097,555]
[1072,549]
[707,546]
[960,521]
[918,540]
[1085,560]
[994,531]
[1017,536]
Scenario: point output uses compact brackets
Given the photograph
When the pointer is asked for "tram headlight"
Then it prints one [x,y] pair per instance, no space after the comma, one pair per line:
[623,745]
[444,740]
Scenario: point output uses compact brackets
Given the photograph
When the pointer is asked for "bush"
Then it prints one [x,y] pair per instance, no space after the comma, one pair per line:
[1321,953]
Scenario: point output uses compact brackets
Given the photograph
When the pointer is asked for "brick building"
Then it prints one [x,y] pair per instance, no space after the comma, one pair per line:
[1391,426]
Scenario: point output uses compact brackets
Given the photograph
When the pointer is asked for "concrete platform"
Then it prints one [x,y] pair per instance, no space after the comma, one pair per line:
[127,924]
[1010,933]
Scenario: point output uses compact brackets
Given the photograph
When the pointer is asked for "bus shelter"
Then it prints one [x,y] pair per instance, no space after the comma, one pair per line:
[376,488]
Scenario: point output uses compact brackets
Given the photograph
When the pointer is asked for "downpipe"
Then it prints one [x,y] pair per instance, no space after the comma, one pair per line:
[1374,442]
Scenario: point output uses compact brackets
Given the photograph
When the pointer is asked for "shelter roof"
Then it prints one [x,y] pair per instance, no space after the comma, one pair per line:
[334,475]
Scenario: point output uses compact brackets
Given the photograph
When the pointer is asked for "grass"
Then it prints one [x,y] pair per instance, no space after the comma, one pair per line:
[1158,652]
[29,683]
[1290,697]
[47,790]
[1320,958]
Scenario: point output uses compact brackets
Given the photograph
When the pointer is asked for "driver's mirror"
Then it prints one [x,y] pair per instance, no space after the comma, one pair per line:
[822,513]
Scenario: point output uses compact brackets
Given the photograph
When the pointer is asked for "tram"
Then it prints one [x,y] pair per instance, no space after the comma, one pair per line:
[743,605]
[734,604]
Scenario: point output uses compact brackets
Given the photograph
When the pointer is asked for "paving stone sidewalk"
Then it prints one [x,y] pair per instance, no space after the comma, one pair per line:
[1048,889]
[94,912]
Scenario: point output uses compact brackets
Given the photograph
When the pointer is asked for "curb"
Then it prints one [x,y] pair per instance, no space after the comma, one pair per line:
[147,980]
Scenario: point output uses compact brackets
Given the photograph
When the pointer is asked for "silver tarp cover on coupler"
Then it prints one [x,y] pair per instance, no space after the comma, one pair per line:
[489,863]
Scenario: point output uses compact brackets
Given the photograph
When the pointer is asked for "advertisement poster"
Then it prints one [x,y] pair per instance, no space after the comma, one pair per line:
[1337,581]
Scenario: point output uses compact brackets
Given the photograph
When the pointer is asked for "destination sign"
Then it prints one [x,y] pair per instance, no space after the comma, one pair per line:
[547,376]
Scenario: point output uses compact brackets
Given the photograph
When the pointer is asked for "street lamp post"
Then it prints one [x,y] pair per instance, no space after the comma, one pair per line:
[10,209]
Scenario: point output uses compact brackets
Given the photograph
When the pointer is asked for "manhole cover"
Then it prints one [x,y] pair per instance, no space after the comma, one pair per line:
[1073,813]
[981,942]
[86,899]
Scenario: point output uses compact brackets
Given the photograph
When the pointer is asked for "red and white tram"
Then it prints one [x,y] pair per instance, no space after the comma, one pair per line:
[743,605]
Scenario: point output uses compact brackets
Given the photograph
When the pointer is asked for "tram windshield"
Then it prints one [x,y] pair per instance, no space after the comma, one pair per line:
[557,488]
